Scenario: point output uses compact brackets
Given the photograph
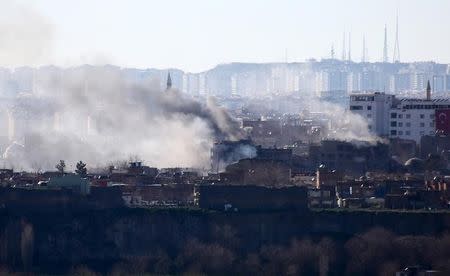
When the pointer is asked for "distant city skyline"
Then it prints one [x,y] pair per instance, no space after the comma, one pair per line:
[197,35]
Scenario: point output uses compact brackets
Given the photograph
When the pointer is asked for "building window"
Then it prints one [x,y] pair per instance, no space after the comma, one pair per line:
[408,116]
[393,124]
[369,107]
[393,132]
[393,115]
[369,115]
[363,98]
[400,116]
[408,132]
[408,124]
[422,124]
[431,124]
[356,107]
[431,116]
[400,132]
[422,116]
[400,124]
[422,133]
[370,127]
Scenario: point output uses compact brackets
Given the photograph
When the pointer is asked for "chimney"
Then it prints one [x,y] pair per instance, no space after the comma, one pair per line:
[428,91]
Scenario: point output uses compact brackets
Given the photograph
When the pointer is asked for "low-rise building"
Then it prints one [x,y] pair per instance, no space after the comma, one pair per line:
[258,172]
[70,181]
[324,197]
[353,158]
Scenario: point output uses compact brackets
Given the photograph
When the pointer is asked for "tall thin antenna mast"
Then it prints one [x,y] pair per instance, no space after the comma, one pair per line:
[396,57]
[349,46]
[364,51]
[343,48]
[385,49]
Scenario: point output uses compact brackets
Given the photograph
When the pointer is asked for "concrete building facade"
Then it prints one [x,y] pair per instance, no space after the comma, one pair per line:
[389,117]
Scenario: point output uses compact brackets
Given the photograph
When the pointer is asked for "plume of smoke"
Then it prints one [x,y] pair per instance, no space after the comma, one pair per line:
[225,123]
[228,153]
[97,115]
[345,125]
[26,36]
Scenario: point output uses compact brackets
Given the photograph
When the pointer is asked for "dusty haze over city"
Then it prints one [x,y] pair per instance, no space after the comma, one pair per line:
[138,119]
[225,137]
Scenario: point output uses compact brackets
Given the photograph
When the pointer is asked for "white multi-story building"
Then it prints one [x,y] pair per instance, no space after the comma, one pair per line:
[398,118]
[375,108]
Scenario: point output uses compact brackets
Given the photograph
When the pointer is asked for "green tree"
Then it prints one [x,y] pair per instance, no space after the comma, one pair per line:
[61,166]
[81,169]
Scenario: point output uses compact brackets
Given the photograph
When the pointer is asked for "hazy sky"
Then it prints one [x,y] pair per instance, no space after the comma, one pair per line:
[195,35]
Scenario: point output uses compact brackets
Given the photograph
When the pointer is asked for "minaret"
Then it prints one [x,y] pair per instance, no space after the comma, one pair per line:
[343,48]
[349,46]
[169,82]
[396,57]
[385,49]
[428,91]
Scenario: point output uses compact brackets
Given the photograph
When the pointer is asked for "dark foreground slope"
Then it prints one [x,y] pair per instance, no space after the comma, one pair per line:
[178,240]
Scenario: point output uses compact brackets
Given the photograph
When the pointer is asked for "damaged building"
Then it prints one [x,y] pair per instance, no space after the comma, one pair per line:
[350,157]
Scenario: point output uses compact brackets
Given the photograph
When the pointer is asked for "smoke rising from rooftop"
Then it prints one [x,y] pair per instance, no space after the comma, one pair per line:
[97,115]
[345,125]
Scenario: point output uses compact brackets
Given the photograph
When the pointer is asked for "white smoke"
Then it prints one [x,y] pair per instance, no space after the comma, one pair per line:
[25,36]
[97,115]
[335,120]
[345,125]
